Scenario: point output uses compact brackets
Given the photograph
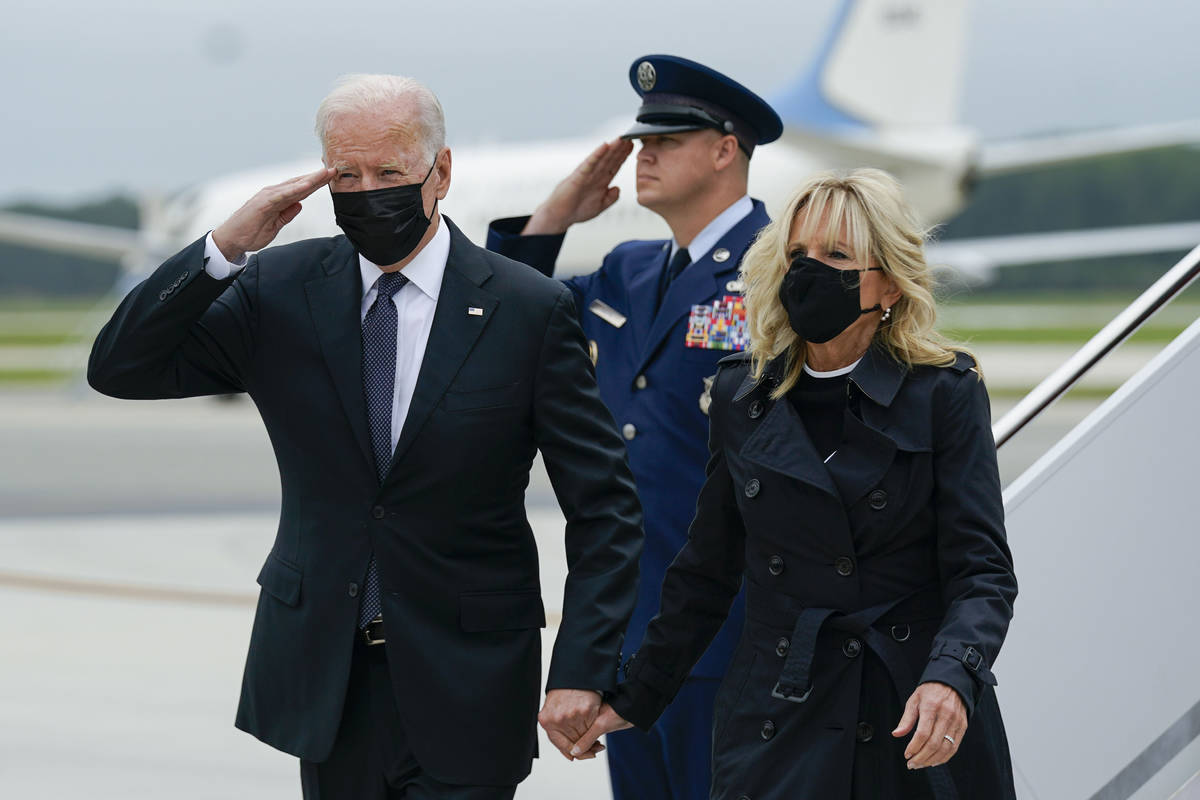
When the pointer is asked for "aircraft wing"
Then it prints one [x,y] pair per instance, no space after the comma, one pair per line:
[1039,151]
[78,238]
[975,259]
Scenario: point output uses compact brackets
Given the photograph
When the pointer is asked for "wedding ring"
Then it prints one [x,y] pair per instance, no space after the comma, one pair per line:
[948,739]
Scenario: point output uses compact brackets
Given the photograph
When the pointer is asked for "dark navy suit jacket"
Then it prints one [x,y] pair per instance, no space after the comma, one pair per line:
[651,381]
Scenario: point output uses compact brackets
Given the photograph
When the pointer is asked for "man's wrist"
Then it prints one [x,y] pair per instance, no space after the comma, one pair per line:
[542,223]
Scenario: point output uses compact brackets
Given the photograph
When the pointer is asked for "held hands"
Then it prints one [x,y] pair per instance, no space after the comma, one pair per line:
[566,716]
[256,224]
[583,194]
[941,714]
[606,721]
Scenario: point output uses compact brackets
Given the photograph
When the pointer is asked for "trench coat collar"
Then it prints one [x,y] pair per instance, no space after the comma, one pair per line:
[879,375]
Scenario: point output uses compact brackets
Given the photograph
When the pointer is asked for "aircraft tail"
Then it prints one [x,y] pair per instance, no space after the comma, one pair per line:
[884,64]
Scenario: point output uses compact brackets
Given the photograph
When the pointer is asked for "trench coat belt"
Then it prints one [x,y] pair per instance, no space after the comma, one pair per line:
[796,683]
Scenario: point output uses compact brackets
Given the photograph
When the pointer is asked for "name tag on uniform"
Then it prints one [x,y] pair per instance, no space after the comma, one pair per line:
[719,326]
[607,313]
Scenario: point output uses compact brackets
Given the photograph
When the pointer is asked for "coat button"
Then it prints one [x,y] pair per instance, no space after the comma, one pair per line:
[844,567]
[851,648]
[752,487]
[640,382]
[755,410]
[629,431]
[781,647]
[377,512]
[768,731]
[865,732]
[775,565]
[352,590]
[878,499]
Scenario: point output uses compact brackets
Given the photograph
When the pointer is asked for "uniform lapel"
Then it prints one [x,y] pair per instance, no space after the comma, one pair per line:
[335,303]
[453,334]
[643,294]
[700,280]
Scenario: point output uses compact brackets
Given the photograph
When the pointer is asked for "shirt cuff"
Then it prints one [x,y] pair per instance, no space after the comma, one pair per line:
[216,265]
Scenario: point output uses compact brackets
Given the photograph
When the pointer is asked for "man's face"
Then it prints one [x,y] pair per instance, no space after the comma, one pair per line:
[379,149]
[673,167]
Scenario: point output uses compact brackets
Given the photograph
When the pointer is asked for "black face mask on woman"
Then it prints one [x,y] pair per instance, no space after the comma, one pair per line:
[385,225]
[822,301]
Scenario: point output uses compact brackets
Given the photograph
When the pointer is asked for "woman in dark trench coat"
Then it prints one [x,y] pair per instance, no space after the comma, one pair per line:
[853,486]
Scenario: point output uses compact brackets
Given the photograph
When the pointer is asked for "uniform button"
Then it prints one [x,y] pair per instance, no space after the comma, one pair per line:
[878,499]
[851,648]
[781,647]
[768,731]
[352,590]
[865,732]
[755,410]
[640,382]
[753,487]
[629,431]
[775,565]
[377,512]
[844,567]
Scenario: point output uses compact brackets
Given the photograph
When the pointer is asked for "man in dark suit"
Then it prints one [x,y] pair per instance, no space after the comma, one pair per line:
[658,316]
[406,378]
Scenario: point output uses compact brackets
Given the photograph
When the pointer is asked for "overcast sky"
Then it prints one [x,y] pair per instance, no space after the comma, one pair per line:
[150,95]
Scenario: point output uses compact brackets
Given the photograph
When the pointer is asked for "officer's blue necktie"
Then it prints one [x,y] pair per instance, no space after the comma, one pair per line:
[379,383]
[678,261]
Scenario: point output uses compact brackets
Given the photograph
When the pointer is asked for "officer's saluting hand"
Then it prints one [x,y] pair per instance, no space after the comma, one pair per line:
[584,194]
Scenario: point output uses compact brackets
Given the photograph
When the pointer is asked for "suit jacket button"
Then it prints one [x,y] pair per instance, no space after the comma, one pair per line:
[865,732]
[781,647]
[378,512]
[753,487]
[878,499]
[844,567]
[768,731]
[640,382]
[755,410]
[851,648]
[775,565]
[629,431]
[353,590]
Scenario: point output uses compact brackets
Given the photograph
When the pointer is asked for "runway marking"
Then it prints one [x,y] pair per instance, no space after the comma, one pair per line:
[160,594]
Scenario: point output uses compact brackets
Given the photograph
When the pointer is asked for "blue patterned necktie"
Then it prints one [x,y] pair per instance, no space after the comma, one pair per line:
[379,384]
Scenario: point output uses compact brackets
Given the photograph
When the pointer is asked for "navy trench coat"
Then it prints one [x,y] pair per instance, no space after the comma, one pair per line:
[885,567]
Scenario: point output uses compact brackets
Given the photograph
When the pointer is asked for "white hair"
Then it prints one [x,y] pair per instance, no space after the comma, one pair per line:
[355,93]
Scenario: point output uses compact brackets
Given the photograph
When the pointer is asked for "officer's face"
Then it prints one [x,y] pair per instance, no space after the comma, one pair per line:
[673,168]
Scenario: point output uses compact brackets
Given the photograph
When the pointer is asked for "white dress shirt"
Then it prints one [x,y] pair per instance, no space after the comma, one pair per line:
[722,224]
[416,303]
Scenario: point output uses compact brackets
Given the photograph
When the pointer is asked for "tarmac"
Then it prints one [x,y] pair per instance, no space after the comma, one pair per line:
[132,534]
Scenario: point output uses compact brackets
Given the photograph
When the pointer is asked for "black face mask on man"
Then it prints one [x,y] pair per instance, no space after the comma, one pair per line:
[385,225]
[822,301]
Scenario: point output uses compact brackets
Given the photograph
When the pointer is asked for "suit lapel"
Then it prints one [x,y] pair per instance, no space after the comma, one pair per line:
[335,304]
[700,280]
[453,334]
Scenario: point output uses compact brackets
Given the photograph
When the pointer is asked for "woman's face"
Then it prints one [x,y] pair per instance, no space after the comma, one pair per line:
[874,287]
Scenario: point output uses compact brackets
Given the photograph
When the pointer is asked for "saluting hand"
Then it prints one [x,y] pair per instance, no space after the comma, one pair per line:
[942,714]
[256,224]
[583,194]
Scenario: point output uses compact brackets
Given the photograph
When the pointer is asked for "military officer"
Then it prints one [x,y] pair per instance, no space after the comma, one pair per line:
[658,316]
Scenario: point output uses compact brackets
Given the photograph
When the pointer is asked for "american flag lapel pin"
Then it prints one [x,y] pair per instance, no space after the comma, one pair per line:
[473,311]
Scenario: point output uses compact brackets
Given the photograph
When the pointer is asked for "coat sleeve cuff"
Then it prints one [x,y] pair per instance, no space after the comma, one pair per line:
[961,668]
[539,251]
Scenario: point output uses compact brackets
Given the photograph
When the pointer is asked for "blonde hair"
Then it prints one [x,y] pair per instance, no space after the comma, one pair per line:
[869,205]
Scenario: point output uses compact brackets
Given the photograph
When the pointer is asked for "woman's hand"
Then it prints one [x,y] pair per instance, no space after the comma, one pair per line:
[942,723]
[606,721]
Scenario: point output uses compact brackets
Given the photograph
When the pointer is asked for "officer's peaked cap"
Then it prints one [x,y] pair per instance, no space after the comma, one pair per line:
[680,95]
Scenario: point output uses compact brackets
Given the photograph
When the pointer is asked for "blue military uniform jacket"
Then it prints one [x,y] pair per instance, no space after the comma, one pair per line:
[652,381]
